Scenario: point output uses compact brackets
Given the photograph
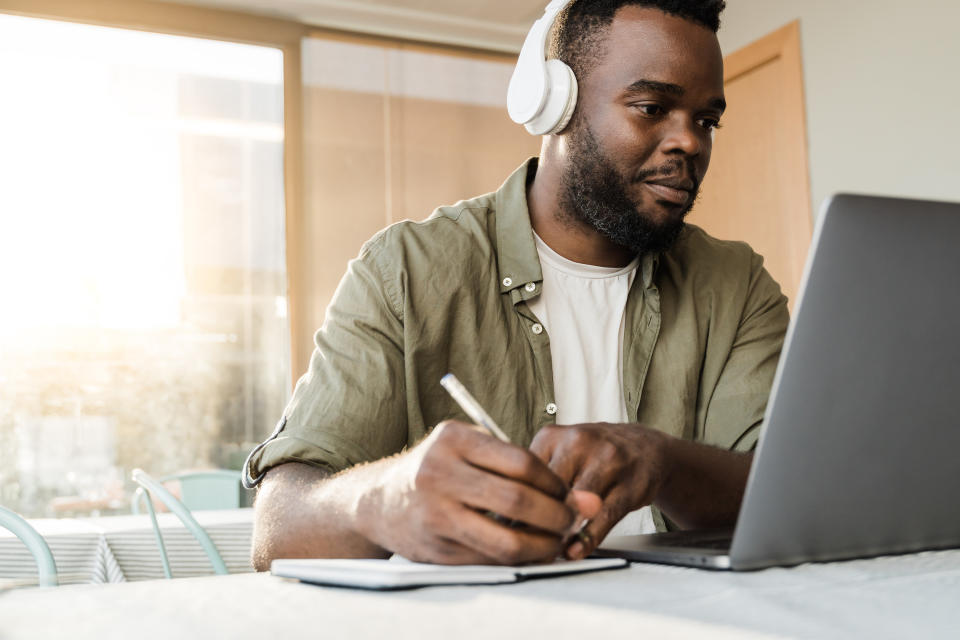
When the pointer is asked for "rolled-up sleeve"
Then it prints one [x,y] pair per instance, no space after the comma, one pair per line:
[350,405]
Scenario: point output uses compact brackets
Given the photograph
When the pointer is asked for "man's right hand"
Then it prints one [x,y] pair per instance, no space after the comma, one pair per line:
[432,503]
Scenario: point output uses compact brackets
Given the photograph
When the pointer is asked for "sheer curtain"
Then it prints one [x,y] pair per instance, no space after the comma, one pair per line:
[390,133]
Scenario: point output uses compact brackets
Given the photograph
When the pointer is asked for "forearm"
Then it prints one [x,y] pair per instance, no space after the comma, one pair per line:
[304,512]
[703,487]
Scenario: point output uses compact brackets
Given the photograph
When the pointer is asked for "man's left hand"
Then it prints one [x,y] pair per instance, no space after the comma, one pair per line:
[625,464]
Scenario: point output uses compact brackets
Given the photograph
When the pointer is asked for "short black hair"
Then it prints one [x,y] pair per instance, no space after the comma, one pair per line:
[577,34]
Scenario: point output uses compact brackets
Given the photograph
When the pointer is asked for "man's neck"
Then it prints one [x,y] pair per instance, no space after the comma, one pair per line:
[562,231]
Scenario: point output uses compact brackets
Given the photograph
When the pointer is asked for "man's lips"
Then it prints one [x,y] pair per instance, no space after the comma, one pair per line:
[672,191]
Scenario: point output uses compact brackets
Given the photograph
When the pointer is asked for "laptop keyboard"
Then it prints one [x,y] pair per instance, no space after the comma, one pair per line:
[699,539]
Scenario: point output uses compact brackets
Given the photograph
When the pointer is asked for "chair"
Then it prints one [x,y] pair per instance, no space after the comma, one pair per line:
[219,489]
[38,547]
[206,490]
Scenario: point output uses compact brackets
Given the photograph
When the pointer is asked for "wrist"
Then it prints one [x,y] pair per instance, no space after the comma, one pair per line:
[374,500]
[668,452]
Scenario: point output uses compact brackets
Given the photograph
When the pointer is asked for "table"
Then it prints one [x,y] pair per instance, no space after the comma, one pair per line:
[123,548]
[913,596]
[132,542]
[79,549]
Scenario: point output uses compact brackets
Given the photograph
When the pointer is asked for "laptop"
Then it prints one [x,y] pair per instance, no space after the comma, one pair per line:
[860,450]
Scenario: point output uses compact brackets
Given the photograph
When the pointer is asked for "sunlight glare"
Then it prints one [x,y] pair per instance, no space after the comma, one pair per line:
[91,206]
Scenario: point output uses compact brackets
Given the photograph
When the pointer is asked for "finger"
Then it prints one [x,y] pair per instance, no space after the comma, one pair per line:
[432,534]
[502,544]
[514,500]
[479,429]
[615,507]
[555,445]
[510,461]
[447,551]
[587,503]
[566,464]
[594,477]
[544,442]
[441,550]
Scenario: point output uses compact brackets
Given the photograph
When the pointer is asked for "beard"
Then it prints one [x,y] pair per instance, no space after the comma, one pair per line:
[596,194]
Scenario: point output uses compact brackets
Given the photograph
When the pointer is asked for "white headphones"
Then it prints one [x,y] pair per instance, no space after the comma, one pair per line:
[542,93]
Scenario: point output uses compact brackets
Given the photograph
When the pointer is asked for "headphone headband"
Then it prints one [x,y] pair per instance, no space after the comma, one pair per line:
[542,93]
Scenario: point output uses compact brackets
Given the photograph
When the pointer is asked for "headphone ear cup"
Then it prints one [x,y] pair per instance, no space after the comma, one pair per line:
[560,102]
[573,94]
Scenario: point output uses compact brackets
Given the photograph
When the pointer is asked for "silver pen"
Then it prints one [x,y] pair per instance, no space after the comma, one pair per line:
[470,405]
[473,409]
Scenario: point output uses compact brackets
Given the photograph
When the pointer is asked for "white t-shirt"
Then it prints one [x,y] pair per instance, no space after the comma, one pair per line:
[582,308]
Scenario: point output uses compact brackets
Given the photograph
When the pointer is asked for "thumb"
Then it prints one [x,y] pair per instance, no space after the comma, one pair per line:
[596,529]
[587,503]
[587,506]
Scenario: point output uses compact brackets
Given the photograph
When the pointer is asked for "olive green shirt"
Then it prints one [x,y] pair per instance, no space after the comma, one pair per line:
[704,324]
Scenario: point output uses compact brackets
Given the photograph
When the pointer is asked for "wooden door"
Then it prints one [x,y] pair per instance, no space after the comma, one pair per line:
[757,187]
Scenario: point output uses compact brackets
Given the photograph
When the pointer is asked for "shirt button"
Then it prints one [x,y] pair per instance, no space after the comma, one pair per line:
[537,329]
[507,282]
[551,408]
[531,287]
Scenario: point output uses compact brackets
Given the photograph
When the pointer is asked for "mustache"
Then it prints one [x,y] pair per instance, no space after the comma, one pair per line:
[669,170]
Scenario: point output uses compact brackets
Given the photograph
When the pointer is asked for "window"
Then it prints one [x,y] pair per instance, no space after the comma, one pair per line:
[142,265]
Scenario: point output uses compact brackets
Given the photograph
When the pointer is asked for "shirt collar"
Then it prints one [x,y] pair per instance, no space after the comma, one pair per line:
[648,267]
[519,263]
[517,256]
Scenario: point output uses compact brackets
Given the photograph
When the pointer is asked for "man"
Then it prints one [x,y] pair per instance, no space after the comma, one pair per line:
[661,350]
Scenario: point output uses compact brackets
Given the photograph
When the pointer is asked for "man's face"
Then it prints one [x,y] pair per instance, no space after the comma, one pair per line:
[640,141]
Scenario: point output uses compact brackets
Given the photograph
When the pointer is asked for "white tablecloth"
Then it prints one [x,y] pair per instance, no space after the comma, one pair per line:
[79,549]
[914,596]
[121,548]
[131,541]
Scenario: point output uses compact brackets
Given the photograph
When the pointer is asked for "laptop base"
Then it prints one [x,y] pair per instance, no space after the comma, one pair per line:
[698,549]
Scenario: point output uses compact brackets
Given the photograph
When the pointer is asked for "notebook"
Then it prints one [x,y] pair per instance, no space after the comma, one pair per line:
[858,453]
[403,574]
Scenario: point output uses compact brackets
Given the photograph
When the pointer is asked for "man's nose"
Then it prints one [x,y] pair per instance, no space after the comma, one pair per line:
[683,135]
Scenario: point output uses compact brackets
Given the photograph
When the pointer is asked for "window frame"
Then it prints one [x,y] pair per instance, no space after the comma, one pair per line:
[247,28]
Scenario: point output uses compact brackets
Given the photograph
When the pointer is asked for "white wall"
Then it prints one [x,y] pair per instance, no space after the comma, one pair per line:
[882,90]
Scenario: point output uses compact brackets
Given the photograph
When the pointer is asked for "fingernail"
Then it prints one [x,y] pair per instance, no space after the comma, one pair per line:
[577,526]
[575,551]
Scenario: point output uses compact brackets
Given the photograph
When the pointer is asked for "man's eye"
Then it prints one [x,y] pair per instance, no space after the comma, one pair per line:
[710,124]
[649,109]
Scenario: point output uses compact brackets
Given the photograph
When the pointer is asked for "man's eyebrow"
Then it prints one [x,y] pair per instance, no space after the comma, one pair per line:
[670,89]
[656,87]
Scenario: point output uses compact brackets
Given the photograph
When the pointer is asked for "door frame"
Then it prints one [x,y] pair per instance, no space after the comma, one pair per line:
[784,44]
